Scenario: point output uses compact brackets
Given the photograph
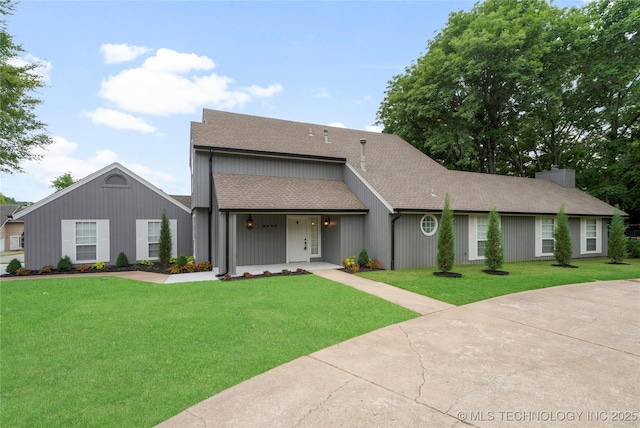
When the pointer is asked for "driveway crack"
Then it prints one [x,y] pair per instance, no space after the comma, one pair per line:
[326,399]
[424,376]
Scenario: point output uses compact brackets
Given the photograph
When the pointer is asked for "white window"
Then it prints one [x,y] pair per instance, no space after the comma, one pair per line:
[428,224]
[590,239]
[544,236]
[478,227]
[148,238]
[85,241]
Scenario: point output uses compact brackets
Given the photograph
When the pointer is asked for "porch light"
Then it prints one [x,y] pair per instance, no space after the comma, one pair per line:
[327,222]
[249,222]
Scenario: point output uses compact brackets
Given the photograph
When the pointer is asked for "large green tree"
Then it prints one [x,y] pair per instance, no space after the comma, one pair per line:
[20,130]
[63,181]
[515,86]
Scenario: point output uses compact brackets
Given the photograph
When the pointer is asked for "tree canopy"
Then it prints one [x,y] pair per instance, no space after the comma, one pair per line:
[515,86]
[20,130]
[63,181]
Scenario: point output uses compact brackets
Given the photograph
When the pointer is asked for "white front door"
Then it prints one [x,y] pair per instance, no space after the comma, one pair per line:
[297,239]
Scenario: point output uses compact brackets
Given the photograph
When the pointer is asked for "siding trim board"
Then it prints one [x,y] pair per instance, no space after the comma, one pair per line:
[271,154]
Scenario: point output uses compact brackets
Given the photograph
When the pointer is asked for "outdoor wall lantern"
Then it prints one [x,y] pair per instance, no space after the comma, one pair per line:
[327,222]
[249,222]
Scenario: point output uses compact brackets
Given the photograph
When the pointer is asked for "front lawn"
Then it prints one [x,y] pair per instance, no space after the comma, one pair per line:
[476,285]
[111,352]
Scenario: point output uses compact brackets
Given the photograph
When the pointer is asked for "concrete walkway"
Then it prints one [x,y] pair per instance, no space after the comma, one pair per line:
[561,356]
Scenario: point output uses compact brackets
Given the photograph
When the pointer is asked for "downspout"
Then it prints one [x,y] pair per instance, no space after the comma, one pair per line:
[393,241]
[226,245]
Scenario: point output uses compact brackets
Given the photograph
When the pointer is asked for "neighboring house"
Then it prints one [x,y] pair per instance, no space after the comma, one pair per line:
[111,211]
[11,230]
[268,191]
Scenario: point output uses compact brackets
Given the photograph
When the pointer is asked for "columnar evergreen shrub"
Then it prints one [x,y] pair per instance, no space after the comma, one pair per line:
[494,251]
[164,250]
[13,266]
[122,260]
[633,246]
[64,264]
[363,258]
[617,238]
[563,247]
[446,244]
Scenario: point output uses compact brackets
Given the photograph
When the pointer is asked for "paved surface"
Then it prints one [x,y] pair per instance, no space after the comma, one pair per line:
[561,356]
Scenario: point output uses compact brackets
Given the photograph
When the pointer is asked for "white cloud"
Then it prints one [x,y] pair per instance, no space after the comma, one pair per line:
[159,86]
[337,125]
[118,120]
[320,92]
[373,128]
[43,68]
[115,54]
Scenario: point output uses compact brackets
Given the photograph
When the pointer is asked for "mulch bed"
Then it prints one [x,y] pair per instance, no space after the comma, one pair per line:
[566,266]
[448,274]
[155,268]
[496,272]
[365,269]
[288,273]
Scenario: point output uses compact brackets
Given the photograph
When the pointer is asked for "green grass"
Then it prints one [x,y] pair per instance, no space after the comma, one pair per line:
[112,352]
[476,285]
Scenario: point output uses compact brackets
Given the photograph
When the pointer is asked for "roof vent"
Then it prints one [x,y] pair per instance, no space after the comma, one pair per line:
[326,135]
[362,143]
[310,132]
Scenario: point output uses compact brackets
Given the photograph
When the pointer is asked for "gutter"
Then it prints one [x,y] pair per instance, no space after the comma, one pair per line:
[393,240]
[226,246]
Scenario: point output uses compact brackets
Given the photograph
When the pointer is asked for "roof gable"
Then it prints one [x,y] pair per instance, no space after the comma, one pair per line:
[115,168]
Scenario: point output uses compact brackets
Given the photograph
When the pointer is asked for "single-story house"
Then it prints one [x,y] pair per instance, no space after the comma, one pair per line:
[11,230]
[110,211]
[268,191]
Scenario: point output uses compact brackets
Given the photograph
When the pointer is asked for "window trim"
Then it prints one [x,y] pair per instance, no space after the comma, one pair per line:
[473,236]
[68,233]
[142,238]
[583,235]
[435,224]
[316,220]
[538,236]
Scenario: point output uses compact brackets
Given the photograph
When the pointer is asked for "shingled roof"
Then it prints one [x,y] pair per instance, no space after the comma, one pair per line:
[406,178]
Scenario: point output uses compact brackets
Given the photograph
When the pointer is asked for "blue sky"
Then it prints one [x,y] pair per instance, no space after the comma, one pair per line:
[126,78]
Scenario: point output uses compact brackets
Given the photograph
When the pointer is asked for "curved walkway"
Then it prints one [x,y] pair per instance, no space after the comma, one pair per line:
[560,356]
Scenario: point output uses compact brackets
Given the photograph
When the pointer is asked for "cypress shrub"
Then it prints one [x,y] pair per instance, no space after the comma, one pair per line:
[617,238]
[164,250]
[494,252]
[363,258]
[562,247]
[446,243]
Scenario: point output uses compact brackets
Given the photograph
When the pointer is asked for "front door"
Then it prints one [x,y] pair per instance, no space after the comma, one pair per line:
[297,239]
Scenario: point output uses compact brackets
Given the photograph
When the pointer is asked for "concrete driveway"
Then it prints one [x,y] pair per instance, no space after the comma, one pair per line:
[561,356]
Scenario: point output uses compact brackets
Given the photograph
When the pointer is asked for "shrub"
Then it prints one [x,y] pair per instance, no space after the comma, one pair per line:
[267,273]
[363,258]
[247,275]
[164,250]
[286,272]
[617,238]
[562,247]
[82,268]
[374,264]
[226,277]
[13,266]
[146,262]
[100,266]
[494,252]
[174,269]
[122,260]
[204,266]
[181,260]
[23,272]
[354,268]
[46,269]
[64,264]
[446,253]
[349,262]
[633,248]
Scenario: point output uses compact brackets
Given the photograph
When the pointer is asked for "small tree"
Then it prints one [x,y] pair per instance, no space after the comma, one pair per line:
[122,260]
[494,252]
[617,238]
[446,244]
[164,250]
[562,247]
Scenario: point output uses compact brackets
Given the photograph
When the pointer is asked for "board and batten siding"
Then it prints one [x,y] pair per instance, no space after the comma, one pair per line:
[224,163]
[94,200]
[200,179]
[266,243]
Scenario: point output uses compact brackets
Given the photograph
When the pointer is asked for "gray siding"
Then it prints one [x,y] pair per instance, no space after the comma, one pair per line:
[351,235]
[412,248]
[121,205]
[331,241]
[266,243]
[200,179]
[200,232]
[275,167]
[376,238]
[518,238]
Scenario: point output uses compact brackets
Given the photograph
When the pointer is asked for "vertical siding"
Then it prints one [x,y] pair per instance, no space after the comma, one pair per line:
[265,243]
[518,237]
[413,248]
[376,238]
[200,179]
[351,235]
[275,167]
[331,240]
[200,232]
[94,201]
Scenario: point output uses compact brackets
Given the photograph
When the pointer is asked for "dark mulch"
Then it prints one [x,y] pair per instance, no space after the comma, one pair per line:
[156,268]
[566,266]
[619,263]
[288,273]
[448,274]
[496,272]
[365,269]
